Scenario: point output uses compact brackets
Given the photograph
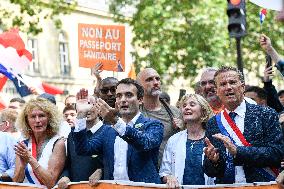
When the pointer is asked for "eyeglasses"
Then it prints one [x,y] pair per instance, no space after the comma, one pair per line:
[106,90]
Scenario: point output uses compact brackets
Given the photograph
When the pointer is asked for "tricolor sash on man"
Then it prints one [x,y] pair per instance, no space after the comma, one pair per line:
[225,123]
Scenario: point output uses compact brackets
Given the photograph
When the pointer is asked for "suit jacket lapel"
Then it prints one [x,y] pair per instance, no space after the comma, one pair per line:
[248,120]
[140,119]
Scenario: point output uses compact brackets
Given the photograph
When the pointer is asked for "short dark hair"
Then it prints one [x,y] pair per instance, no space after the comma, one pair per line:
[109,79]
[226,69]
[69,107]
[129,81]
[261,93]
[17,99]
[280,92]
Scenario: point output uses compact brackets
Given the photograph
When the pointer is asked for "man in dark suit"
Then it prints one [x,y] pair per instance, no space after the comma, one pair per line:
[244,141]
[130,145]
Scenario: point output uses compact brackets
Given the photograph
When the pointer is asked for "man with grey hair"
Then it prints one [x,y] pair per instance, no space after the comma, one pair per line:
[156,108]
[208,89]
[8,118]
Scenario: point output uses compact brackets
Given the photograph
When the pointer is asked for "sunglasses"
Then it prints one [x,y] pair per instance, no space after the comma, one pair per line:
[106,90]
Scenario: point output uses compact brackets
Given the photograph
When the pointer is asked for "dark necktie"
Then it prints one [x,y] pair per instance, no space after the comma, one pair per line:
[89,134]
[233,115]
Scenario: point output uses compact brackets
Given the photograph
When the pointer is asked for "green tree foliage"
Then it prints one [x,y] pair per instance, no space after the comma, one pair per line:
[181,37]
[27,14]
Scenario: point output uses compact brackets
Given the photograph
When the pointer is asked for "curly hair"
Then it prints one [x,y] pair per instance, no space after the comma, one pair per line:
[54,117]
[206,113]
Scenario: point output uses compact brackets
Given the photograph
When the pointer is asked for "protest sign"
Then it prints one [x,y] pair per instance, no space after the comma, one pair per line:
[102,43]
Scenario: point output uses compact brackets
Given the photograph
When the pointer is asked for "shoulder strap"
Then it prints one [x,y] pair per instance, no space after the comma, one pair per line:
[169,111]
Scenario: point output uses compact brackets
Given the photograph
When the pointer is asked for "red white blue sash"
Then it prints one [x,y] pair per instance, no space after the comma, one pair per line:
[29,173]
[269,173]
[43,160]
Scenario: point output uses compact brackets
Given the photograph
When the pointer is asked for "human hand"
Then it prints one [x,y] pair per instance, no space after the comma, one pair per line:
[210,151]
[95,177]
[227,143]
[96,70]
[106,112]
[23,152]
[84,102]
[280,180]
[265,42]
[34,90]
[63,183]
[178,123]
[172,181]
[268,73]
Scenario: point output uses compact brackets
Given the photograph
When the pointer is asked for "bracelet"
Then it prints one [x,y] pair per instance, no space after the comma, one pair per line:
[36,167]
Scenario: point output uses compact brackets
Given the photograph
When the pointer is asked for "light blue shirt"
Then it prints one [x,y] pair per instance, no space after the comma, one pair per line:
[7,154]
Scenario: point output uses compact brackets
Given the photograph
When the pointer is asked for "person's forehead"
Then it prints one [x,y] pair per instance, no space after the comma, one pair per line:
[124,88]
[71,99]
[190,100]
[37,111]
[229,74]
[70,111]
[16,103]
[110,83]
[150,73]
[209,75]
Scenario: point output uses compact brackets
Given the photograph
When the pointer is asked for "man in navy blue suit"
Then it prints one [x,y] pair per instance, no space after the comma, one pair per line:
[130,145]
[244,141]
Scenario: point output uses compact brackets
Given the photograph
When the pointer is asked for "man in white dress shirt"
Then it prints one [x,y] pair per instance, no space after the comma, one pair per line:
[130,144]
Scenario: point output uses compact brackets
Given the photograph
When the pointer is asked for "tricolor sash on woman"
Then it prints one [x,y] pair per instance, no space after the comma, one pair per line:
[238,140]
[29,173]
[43,160]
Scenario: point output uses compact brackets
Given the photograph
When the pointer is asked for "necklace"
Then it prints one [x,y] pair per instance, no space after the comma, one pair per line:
[193,142]
[191,146]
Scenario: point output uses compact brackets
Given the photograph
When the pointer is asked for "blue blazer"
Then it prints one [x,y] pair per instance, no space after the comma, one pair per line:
[262,131]
[143,139]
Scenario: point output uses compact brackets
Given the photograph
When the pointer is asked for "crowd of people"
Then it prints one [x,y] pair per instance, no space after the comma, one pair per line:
[225,133]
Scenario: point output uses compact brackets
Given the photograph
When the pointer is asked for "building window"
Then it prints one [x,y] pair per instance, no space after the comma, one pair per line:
[63,55]
[10,88]
[33,48]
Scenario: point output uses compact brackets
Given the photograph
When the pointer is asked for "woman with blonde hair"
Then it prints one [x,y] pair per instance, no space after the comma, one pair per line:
[183,155]
[41,156]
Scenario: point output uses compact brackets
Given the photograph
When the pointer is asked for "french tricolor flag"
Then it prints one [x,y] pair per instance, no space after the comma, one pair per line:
[14,59]
[262,15]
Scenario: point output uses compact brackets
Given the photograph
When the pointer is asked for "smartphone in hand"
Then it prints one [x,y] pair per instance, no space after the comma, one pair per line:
[268,60]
